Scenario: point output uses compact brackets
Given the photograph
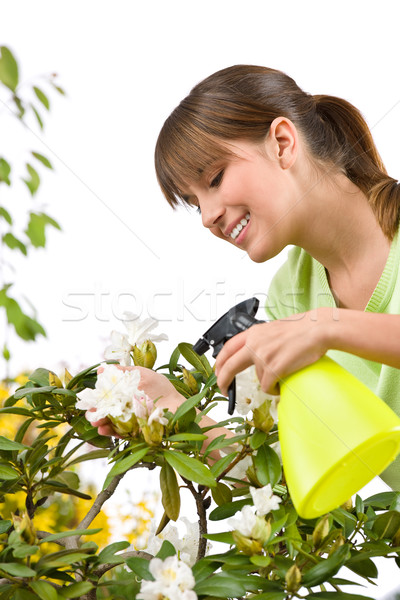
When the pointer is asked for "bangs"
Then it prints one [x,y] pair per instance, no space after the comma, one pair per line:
[184,152]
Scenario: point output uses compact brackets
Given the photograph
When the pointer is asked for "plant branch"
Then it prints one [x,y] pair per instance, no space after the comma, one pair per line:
[72,542]
[201,511]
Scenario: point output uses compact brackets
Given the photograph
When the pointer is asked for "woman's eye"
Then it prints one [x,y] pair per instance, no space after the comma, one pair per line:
[217,179]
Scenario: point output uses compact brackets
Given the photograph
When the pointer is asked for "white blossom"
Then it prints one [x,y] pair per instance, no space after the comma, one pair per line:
[239,470]
[186,545]
[173,580]
[244,521]
[117,396]
[249,394]
[119,349]
[264,499]
[138,332]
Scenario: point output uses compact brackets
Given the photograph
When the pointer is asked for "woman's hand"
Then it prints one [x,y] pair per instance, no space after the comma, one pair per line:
[277,349]
[156,386]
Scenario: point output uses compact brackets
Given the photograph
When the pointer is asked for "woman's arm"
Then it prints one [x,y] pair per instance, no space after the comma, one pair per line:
[284,346]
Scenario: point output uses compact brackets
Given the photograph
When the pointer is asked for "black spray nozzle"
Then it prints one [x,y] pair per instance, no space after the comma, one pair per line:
[237,319]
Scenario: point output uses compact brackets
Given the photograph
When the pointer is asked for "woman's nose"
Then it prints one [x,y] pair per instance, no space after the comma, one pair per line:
[211,213]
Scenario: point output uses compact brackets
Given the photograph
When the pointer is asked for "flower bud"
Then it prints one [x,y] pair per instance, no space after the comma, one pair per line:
[54,380]
[153,434]
[321,531]
[337,543]
[126,428]
[190,381]
[145,355]
[247,545]
[293,579]
[262,418]
[24,526]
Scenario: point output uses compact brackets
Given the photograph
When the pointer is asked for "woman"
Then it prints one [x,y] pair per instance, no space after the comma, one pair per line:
[269,165]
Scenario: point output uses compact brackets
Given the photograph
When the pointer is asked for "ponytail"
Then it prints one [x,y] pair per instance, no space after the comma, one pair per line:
[348,143]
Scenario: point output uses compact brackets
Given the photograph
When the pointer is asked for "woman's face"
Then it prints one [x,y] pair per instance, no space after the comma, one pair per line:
[249,200]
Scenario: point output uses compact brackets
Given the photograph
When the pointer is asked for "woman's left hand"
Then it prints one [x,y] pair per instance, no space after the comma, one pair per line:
[277,349]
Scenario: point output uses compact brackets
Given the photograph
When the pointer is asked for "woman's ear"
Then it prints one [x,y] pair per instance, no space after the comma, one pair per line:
[282,142]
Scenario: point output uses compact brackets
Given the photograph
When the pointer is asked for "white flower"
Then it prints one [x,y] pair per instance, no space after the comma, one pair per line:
[157,416]
[173,580]
[116,395]
[245,521]
[186,545]
[264,500]
[249,394]
[140,331]
[119,349]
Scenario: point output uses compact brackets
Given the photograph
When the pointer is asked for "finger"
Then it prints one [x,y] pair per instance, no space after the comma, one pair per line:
[232,366]
[108,431]
[229,348]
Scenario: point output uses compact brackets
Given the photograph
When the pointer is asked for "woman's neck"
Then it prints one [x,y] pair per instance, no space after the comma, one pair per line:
[345,237]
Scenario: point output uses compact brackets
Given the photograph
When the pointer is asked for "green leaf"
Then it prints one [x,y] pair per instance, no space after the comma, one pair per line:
[140,566]
[14,243]
[326,568]
[228,510]
[222,585]
[36,230]
[338,596]
[34,180]
[267,465]
[17,569]
[37,115]
[61,559]
[76,590]
[41,96]
[44,590]
[108,554]
[3,212]
[4,526]
[188,405]
[192,357]
[5,171]
[171,500]
[382,500]
[223,463]
[167,549]
[8,68]
[387,524]
[6,444]
[63,534]
[43,159]
[89,456]
[222,494]
[7,473]
[190,468]
[16,410]
[225,537]
[257,439]
[125,464]
[365,567]
[187,437]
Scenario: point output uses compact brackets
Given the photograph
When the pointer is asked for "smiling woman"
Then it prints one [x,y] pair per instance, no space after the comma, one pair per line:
[270,165]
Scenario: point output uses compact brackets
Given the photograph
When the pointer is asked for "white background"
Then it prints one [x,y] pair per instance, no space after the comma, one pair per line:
[125,65]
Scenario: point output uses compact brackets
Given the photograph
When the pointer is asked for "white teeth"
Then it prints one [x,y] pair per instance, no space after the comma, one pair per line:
[242,223]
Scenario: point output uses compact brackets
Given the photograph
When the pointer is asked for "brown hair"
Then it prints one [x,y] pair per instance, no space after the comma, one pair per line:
[241,102]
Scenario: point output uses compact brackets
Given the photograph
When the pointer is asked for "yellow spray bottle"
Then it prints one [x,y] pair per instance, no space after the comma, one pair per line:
[335,433]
